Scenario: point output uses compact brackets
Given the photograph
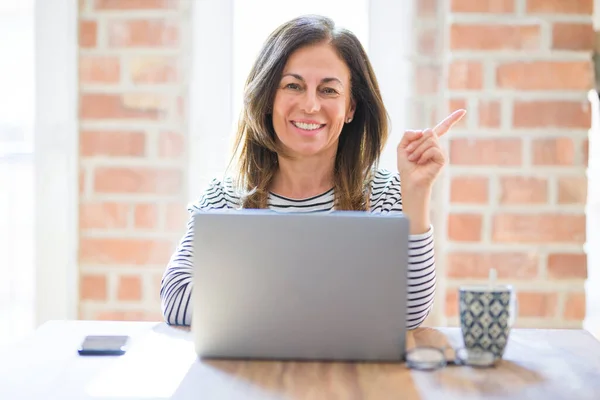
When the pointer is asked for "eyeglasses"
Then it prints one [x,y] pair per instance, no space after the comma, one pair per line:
[428,358]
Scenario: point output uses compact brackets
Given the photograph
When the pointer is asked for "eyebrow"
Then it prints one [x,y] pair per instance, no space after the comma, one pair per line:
[324,80]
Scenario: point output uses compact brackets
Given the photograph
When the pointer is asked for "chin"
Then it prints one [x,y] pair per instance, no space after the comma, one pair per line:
[306,151]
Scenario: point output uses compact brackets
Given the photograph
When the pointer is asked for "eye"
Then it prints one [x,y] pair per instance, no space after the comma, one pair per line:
[330,91]
[293,86]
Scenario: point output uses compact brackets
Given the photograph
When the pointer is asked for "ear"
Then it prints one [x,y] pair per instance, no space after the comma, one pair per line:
[351,111]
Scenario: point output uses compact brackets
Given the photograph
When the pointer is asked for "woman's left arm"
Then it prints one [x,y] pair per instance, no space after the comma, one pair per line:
[421,274]
[421,257]
[420,160]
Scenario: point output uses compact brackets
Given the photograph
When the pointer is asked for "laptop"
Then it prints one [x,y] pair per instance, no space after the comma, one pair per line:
[300,286]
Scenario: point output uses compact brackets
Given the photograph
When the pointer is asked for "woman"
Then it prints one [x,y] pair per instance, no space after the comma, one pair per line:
[308,140]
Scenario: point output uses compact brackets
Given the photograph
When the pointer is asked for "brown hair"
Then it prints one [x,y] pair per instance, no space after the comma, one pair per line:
[361,141]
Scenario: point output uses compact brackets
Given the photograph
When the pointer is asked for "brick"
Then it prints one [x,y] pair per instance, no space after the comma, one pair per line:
[537,304]
[465,75]
[147,101]
[494,37]
[499,152]
[575,307]
[103,215]
[556,151]
[99,69]
[129,288]
[176,217]
[560,6]
[112,143]
[153,69]
[523,190]
[120,315]
[427,8]
[135,4]
[128,106]
[145,216]
[477,265]
[551,114]
[489,113]
[143,33]
[137,180]
[181,106]
[543,228]
[122,251]
[567,266]
[483,6]
[427,41]
[571,36]
[469,190]
[572,190]
[457,104]
[170,145]
[82,181]
[546,75]
[88,33]
[585,152]
[92,287]
[451,303]
[427,79]
[464,227]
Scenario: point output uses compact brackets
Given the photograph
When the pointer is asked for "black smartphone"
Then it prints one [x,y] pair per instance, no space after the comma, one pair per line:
[104,345]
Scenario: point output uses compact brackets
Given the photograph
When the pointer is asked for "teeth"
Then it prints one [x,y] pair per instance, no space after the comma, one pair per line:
[308,127]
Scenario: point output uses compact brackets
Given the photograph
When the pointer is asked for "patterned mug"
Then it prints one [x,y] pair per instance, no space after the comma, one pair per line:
[487,313]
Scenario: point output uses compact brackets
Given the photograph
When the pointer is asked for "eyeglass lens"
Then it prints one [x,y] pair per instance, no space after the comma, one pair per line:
[430,358]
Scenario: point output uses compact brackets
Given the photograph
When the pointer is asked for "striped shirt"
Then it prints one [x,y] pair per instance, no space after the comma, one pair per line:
[385,197]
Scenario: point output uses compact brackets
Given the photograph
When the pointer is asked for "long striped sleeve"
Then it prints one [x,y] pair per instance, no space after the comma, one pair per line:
[177,283]
[386,197]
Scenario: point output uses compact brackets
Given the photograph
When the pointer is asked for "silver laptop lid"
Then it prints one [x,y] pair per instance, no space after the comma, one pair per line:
[320,286]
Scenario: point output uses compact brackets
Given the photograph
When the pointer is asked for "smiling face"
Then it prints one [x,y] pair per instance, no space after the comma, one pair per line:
[312,102]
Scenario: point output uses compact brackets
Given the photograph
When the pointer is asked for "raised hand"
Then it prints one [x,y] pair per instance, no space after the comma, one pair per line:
[420,157]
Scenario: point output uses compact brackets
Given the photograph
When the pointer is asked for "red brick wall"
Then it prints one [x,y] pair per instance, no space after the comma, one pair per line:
[517,187]
[513,196]
[133,165]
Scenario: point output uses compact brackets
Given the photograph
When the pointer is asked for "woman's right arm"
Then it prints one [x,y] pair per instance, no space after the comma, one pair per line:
[177,283]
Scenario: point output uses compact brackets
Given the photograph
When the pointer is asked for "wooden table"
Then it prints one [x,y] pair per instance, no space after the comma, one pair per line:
[538,364]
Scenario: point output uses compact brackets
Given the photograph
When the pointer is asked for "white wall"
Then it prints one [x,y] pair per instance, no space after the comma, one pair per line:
[592,246]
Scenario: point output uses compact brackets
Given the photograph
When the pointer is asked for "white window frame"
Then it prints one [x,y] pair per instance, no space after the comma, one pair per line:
[210,97]
[56,155]
[592,315]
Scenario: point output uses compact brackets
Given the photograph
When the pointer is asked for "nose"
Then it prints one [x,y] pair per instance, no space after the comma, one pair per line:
[311,102]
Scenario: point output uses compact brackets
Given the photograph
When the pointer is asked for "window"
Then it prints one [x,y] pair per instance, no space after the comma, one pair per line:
[17,308]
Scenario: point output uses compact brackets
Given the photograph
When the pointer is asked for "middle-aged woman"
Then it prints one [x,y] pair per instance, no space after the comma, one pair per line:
[309,140]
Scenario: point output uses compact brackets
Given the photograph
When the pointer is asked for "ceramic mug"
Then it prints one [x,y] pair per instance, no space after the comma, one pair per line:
[487,314]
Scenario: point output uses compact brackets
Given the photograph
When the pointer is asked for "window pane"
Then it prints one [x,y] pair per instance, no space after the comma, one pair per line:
[16,169]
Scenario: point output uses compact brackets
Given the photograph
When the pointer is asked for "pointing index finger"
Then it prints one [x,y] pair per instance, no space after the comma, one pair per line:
[444,126]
